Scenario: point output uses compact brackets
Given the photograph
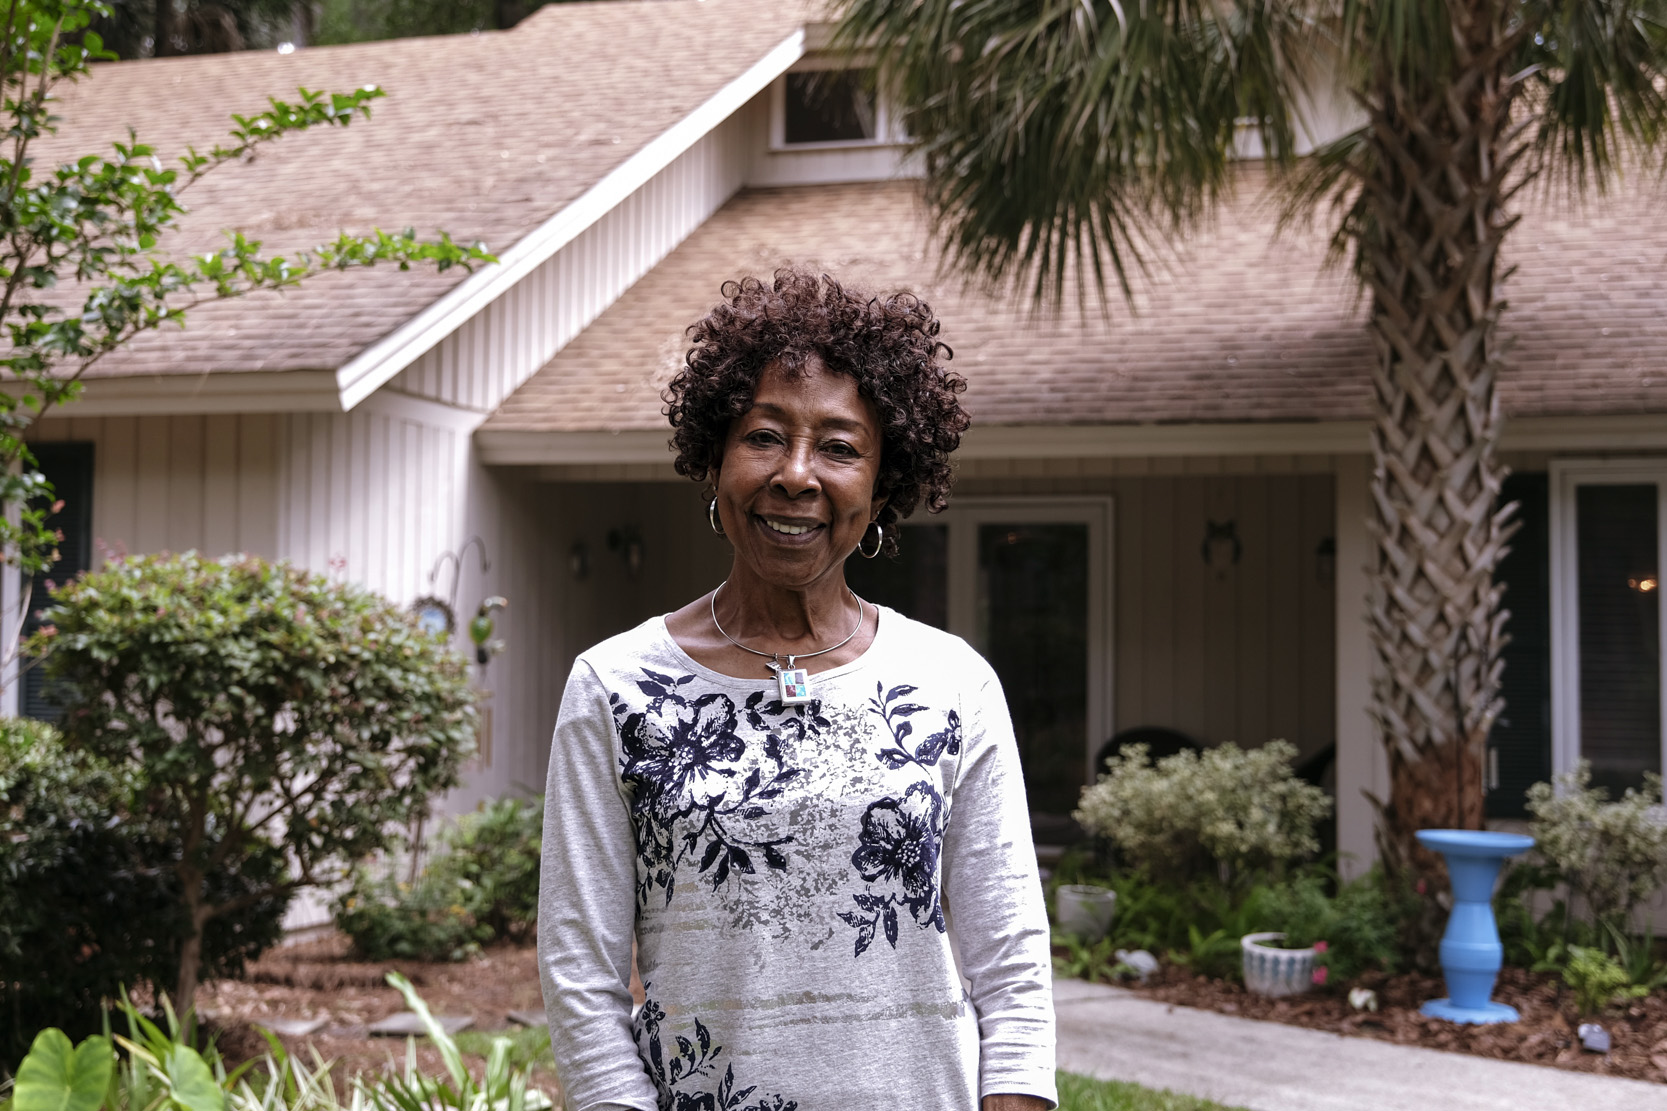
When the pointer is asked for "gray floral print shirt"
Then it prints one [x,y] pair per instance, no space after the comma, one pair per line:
[835,905]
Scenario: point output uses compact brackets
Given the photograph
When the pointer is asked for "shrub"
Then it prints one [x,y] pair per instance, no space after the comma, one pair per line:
[434,919]
[1613,855]
[497,850]
[1357,927]
[87,891]
[1228,810]
[264,714]
[481,884]
[1597,980]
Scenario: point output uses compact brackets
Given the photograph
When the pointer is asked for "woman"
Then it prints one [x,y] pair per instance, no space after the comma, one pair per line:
[806,809]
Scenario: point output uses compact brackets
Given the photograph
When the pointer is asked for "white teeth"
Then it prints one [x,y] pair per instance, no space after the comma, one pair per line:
[787,530]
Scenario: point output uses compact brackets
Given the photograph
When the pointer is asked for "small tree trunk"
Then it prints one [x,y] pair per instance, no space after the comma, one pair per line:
[191,949]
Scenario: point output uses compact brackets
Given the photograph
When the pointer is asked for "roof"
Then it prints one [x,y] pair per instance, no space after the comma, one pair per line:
[1243,324]
[485,136]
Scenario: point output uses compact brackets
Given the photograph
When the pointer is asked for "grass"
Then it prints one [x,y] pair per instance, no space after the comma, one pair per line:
[1080,1093]
[529,1046]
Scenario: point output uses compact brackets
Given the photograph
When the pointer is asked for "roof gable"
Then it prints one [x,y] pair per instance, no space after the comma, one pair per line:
[486,136]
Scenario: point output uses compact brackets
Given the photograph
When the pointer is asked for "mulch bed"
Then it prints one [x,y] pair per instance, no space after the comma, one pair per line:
[323,979]
[1545,1036]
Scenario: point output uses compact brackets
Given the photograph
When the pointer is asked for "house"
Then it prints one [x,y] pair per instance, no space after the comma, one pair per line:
[1159,520]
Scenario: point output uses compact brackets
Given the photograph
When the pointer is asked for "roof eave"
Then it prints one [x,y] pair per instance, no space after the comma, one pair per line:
[1624,432]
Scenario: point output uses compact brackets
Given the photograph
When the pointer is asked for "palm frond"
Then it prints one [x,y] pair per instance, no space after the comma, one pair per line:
[1594,72]
[1065,140]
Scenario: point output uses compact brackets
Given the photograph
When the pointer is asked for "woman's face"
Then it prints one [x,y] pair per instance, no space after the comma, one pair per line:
[796,483]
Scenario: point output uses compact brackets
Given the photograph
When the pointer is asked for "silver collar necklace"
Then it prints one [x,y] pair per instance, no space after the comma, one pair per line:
[793,683]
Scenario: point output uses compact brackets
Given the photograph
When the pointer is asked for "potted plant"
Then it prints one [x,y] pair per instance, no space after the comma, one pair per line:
[1084,910]
[1277,964]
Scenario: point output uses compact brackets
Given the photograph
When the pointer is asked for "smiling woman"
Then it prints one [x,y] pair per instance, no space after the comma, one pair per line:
[805,809]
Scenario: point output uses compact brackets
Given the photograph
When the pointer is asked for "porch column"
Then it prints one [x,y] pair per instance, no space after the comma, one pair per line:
[1361,764]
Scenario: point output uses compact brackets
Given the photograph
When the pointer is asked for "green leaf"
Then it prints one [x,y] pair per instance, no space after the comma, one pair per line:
[191,1085]
[57,1076]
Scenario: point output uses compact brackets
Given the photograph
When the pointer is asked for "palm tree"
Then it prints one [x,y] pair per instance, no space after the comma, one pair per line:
[1061,138]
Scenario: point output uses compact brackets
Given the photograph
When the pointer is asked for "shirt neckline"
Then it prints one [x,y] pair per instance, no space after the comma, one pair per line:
[883,623]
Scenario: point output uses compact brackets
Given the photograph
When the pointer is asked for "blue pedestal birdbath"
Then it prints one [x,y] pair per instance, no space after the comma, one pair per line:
[1470,951]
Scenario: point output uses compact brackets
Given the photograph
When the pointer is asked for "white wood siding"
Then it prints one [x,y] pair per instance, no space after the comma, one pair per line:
[483,362]
[206,482]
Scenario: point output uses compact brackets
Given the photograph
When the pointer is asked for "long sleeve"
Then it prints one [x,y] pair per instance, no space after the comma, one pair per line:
[587,909]
[995,903]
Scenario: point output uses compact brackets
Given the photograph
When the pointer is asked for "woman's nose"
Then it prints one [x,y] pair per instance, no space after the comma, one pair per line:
[797,474]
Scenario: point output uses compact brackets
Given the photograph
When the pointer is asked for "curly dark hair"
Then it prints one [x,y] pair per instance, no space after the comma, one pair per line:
[889,344]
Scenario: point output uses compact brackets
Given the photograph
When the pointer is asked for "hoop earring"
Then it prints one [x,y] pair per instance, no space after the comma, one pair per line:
[712,516]
[879,541]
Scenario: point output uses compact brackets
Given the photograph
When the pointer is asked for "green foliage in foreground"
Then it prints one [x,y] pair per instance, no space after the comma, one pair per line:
[158,1067]
[1082,1093]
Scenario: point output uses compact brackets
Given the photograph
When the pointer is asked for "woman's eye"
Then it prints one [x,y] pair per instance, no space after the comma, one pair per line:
[840,447]
[763,437]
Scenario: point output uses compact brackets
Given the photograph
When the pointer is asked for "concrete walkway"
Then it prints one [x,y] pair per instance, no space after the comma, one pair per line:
[1114,1034]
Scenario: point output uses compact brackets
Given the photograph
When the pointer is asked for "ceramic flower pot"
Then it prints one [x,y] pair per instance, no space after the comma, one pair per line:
[1084,910]
[1471,954]
[1272,971]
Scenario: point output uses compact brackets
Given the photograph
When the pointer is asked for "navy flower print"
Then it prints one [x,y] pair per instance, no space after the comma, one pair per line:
[692,1060]
[688,770]
[896,714]
[898,848]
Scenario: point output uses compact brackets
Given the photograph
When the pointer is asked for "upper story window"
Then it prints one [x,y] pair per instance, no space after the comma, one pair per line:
[829,107]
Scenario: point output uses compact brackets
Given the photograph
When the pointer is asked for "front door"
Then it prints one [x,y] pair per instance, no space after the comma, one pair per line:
[1028,584]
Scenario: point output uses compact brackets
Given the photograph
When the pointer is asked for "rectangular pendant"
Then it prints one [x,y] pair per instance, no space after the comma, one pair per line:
[794,685]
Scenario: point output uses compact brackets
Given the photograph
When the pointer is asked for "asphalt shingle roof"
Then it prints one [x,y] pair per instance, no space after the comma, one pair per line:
[485,136]
[1242,324]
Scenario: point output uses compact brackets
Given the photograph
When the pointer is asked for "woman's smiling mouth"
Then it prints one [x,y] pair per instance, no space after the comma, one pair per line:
[789,528]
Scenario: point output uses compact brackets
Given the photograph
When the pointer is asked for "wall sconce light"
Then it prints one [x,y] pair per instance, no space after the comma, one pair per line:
[1222,547]
[578,560]
[628,543]
[1325,561]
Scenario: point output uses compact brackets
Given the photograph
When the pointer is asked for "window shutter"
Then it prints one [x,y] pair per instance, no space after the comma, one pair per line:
[69,467]
[1519,748]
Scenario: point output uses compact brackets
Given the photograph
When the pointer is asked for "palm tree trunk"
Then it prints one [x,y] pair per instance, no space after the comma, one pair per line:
[1436,217]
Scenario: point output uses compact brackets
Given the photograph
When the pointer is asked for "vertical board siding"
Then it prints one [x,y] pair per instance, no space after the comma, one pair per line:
[371,498]
[486,359]
[1244,655]
[206,483]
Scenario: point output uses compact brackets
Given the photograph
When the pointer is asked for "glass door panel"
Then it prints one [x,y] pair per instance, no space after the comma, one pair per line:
[1618,595]
[1032,624]
[916,583]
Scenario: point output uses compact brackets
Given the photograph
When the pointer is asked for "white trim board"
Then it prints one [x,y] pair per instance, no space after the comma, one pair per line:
[1627,432]
[373,367]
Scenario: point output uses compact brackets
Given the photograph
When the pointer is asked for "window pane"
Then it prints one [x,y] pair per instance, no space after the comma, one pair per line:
[916,583]
[1620,640]
[1033,628]
[829,106]
[69,467]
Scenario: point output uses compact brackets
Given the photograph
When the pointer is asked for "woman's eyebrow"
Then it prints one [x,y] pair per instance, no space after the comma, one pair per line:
[767,409]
